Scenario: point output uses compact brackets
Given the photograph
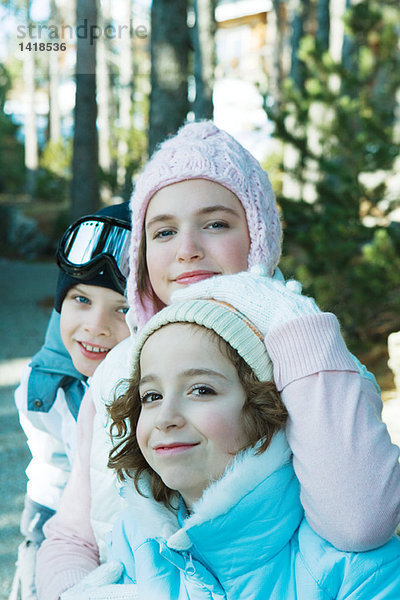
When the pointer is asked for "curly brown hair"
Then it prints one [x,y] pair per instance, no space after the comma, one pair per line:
[263,414]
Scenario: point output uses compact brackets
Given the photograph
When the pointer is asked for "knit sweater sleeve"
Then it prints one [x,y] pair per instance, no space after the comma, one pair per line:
[70,551]
[342,454]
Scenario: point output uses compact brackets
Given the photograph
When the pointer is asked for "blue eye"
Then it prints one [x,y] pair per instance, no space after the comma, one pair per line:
[165,233]
[123,309]
[150,397]
[82,299]
[218,225]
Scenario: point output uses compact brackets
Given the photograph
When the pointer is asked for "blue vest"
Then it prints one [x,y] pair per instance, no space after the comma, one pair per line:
[52,368]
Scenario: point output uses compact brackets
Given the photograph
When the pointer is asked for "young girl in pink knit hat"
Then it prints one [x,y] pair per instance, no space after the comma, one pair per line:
[202,210]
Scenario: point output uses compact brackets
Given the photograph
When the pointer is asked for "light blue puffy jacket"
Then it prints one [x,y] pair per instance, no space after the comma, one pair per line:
[246,539]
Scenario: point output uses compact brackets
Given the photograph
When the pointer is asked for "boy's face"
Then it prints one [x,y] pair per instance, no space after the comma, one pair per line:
[194,230]
[92,323]
[190,425]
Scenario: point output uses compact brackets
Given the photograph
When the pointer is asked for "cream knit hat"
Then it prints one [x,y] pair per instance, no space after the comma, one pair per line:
[202,151]
[222,318]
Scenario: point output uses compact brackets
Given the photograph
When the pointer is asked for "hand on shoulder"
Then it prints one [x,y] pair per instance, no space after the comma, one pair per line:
[267,301]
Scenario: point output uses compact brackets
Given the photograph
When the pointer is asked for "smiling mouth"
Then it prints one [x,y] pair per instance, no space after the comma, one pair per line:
[94,349]
[192,276]
[171,449]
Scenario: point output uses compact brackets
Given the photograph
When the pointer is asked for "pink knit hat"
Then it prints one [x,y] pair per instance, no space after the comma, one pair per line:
[202,151]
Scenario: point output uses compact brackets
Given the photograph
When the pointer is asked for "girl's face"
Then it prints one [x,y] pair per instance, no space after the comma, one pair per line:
[191,424]
[194,230]
[92,322]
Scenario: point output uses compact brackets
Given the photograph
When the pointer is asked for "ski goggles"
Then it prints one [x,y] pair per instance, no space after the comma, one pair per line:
[93,243]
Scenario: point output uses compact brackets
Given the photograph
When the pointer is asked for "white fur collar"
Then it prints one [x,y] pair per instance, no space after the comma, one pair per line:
[246,471]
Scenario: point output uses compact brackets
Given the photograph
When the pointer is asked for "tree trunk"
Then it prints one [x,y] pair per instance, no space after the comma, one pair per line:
[54,110]
[349,56]
[85,184]
[323,24]
[300,10]
[293,186]
[103,94]
[169,69]
[54,83]
[31,141]
[275,33]
[125,95]
[104,101]
[204,57]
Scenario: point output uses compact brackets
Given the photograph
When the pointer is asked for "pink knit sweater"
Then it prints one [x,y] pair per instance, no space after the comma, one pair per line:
[347,466]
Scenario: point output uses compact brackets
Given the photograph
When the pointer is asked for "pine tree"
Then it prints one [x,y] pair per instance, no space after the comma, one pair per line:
[341,121]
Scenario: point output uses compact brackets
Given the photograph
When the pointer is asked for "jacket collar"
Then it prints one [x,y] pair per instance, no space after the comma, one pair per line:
[254,489]
[52,368]
[53,356]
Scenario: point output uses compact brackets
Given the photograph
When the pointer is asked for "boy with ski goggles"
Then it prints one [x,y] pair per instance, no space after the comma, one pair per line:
[88,320]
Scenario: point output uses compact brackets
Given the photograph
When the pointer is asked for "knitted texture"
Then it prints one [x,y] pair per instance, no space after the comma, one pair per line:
[202,151]
[222,318]
[101,584]
[268,302]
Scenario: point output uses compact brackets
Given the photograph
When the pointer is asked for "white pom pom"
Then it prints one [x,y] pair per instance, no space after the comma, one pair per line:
[259,269]
[294,286]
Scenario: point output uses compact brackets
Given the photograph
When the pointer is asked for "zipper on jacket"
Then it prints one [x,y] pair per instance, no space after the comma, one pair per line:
[190,569]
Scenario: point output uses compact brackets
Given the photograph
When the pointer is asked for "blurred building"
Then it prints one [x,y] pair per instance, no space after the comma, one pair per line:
[241,37]
[242,54]
[243,46]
